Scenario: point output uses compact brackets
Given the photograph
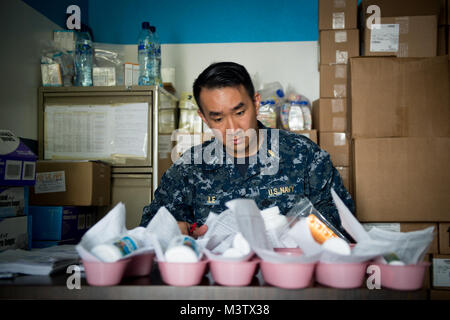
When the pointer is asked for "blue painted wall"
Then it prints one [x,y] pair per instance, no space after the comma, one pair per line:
[56,10]
[195,21]
[205,21]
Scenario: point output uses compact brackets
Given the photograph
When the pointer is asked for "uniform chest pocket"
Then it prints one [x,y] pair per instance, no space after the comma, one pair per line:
[206,202]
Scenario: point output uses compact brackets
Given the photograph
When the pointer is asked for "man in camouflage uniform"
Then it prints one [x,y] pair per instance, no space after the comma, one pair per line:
[245,160]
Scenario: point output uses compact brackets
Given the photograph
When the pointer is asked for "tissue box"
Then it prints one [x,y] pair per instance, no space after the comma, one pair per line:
[15,233]
[60,223]
[72,183]
[13,201]
[17,161]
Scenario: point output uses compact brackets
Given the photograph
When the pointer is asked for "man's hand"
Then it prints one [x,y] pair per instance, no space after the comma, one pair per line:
[186,227]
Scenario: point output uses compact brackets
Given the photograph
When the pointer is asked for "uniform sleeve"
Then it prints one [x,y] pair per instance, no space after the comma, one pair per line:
[322,177]
[173,193]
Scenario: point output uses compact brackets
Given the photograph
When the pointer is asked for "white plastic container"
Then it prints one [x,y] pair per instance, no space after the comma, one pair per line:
[275,224]
[183,249]
[111,252]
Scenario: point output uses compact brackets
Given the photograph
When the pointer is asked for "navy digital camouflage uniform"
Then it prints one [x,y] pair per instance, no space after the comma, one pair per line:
[191,191]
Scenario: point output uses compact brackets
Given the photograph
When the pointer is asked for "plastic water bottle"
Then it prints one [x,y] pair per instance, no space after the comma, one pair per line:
[83,60]
[156,59]
[145,43]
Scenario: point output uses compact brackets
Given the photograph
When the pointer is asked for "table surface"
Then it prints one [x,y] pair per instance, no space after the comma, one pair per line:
[153,288]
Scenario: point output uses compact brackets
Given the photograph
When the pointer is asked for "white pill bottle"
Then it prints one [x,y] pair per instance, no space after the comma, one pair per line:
[183,249]
[111,252]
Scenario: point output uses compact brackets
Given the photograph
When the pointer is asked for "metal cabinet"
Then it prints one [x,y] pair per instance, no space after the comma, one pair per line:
[85,122]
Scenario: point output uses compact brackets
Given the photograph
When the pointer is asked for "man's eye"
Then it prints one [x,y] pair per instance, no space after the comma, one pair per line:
[217,119]
[240,113]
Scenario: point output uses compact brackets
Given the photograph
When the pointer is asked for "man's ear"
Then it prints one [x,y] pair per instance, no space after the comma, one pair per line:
[256,102]
[201,115]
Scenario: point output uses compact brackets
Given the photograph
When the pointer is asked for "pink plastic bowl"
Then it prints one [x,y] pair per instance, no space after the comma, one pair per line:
[140,265]
[103,273]
[287,275]
[341,275]
[289,251]
[233,273]
[182,274]
[409,277]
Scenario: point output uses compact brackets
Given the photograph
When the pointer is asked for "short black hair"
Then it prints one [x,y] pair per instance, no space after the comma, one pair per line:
[221,75]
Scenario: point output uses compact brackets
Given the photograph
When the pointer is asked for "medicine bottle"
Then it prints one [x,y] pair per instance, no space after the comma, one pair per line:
[111,252]
[183,249]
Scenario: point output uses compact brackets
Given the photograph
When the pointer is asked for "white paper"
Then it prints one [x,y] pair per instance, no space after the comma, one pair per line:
[110,228]
[96,131]
[38,261]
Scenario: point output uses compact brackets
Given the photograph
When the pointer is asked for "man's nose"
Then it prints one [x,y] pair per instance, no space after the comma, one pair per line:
[231,125]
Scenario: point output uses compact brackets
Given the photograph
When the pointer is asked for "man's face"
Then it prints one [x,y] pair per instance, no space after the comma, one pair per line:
[231,112]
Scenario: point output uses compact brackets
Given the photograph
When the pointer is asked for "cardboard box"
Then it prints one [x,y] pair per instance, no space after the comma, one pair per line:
[439,294]
[400,8]
[71,183]
[333,81]
[442,49]
[345,173]
[131,74]
[444,238]
[60,223]
[402,179]
[414,36]
[166,148]
[337,14]
[407,227]
[393,97]
[15,233]
[441,271]
[337,46]
[337,145]
[310,134]
[13,201]
[443,12]
[330,115]
[17,161]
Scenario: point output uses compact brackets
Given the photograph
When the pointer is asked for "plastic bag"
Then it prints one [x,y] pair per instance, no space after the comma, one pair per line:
[321,229]
[109,56]
[60,60]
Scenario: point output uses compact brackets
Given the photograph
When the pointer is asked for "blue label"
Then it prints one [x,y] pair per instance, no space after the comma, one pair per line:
[126,245]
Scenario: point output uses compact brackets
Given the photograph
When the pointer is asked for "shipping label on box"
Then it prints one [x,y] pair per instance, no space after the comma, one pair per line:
[13,201]
[50,182]
[17,161]
[14,233]
[441,271]
[414,36]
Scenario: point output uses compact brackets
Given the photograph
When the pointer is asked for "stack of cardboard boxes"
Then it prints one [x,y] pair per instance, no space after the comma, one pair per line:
[338,41]
[65,198]
[17,174]
[399,122]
